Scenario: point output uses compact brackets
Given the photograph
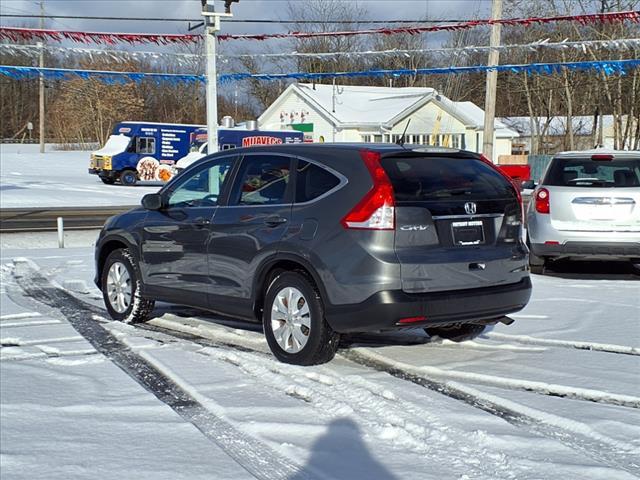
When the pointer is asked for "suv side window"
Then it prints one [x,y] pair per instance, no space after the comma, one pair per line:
[146,145]
[204,186]
[313,181]
[263,180]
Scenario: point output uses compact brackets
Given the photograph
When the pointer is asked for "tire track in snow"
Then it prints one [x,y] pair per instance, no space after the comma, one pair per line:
[383,415]
[506,383]
[580,437]
[573,434]
[257,458]
[548,342]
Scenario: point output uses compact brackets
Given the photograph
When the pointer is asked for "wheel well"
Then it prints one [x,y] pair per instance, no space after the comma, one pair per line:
[106,249]
[269,274]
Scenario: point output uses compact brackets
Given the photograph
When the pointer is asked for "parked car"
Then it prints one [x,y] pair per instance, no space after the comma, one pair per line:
[315,240]
[586,206]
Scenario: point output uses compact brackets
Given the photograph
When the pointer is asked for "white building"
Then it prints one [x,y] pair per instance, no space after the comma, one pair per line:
[586,134]
[380,114]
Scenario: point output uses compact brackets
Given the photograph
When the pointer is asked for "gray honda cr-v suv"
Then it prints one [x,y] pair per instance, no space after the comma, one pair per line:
[322,239]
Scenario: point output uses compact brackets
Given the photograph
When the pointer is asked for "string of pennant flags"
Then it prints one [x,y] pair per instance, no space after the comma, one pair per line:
[607,67]
[586,19]
[17,34]
[33,51]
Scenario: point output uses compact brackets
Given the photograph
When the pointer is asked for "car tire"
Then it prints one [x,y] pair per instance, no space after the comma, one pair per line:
[298,334]
[120,283]
[536,263]
[456,332]
[108,181]
[129,178]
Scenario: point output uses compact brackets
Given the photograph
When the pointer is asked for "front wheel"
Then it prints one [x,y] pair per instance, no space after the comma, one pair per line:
[120,283]
[128,178]
[294,323]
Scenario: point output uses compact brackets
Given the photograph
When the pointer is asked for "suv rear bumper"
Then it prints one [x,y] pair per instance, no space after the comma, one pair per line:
[588,249]
[383,310]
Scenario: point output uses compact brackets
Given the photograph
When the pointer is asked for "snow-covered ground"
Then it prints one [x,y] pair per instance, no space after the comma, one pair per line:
[57,179]
[188,395]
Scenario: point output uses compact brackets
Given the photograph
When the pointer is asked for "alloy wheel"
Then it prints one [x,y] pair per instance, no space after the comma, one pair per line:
[290,319]
[119,289]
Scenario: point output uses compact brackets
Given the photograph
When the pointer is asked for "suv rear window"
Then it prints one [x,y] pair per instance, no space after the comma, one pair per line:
[434,178]
[584,172]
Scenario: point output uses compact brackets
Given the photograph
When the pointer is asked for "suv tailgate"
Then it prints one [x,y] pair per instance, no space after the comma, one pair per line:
[458,223]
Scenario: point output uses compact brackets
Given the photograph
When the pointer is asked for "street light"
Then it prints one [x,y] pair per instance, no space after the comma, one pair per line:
[212,26]
[227,5]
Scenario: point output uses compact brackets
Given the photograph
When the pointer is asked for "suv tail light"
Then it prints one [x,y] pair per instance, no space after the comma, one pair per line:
[542,200]
[376,210]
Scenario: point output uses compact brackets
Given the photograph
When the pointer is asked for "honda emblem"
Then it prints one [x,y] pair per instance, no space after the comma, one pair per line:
[470,208]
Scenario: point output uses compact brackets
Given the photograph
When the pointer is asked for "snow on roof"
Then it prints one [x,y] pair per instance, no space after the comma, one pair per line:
[356,104]
[361,104]
[582,125]
[474,116]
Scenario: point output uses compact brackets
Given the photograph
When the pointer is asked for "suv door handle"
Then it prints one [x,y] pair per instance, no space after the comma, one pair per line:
[201,222]
[274,221]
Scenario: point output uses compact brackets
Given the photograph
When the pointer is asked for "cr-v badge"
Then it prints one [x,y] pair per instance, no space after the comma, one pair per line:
[470,208]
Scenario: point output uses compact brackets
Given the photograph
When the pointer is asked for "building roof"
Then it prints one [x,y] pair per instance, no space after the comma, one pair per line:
[556,126]
[366,106]
[361,104]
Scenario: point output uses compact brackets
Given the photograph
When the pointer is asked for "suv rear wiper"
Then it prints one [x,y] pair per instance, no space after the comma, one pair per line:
[451,192]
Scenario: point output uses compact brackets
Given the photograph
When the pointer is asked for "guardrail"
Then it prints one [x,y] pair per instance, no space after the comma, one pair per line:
[45,219]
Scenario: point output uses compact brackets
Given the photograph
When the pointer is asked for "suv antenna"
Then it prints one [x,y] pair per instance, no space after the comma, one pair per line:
[400,141]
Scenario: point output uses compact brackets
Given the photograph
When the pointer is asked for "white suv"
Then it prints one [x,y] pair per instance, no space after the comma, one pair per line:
[587,205]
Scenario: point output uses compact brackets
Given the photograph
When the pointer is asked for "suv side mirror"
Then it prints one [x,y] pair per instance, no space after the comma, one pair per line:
[152,201]
[528,185]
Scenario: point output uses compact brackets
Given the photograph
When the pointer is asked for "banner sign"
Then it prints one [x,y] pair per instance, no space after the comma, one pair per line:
[17,34]
[608,67]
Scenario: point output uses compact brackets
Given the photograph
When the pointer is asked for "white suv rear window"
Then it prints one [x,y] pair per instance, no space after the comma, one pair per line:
[585,172]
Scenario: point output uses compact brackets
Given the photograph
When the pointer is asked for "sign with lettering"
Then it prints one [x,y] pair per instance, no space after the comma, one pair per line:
[260,140]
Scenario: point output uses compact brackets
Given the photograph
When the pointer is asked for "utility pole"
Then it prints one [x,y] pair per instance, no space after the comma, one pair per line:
[212,27]
[492,82]
[41,83]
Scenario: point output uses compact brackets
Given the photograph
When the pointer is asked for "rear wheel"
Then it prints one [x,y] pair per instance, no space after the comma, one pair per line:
[456,332]
[536,263]
[120,283]
[294,323]
[128,178]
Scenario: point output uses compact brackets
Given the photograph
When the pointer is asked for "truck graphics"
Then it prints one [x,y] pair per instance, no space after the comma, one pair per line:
[141,151]
[229,138]
[145,151]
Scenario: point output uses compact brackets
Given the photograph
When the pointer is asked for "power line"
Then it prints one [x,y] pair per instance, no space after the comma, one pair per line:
[236,20]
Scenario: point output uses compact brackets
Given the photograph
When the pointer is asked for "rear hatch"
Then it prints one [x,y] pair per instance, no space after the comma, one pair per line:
[458,221]
[594,194]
